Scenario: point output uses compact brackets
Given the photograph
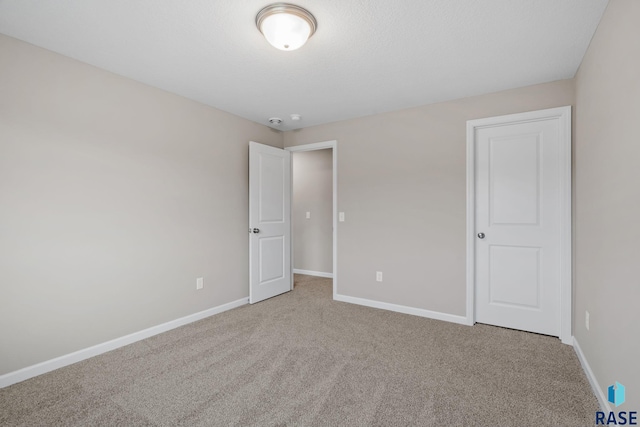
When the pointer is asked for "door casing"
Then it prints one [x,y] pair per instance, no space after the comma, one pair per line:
[563,115]
[321,146]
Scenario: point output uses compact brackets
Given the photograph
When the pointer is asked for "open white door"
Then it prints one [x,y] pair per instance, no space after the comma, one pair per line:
[269,221]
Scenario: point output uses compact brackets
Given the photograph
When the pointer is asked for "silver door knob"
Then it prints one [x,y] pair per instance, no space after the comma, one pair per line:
[256,230]
[481,235]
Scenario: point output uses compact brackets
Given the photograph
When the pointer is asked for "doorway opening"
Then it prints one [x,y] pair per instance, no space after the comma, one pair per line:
[314,210]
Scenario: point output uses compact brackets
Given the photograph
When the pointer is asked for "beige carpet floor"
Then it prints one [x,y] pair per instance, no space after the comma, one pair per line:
[302,359]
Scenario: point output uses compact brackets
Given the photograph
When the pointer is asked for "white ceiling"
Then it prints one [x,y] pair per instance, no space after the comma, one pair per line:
[367,57]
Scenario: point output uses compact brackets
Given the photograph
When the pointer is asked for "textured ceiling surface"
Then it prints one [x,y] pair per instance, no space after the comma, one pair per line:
[367,57]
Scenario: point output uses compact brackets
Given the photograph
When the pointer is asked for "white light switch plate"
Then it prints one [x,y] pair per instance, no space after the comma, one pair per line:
[308,215]
[200,283]
[587,320]
[341,217]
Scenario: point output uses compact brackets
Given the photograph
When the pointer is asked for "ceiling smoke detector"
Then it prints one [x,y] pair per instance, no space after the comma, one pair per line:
[275,121]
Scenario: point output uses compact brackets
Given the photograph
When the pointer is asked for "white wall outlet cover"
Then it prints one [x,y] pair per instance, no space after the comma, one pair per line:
[378,276]
[341,217]
[200,283]
[308,215]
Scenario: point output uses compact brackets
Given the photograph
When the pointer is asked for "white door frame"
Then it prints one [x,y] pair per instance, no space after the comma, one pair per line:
[563,114]
[334,153]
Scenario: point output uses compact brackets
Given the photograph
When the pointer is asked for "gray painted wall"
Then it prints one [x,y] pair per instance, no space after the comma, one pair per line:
[115,197]
[401,184]
[313,193]
[607,201]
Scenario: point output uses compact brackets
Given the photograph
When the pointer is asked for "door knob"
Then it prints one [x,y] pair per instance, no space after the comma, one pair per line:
[256,230]
[481,235]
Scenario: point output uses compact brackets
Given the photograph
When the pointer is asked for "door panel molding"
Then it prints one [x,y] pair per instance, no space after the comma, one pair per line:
[563,115]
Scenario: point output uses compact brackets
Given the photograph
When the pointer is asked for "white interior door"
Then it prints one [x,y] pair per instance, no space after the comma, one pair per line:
[269,221]
[518,218]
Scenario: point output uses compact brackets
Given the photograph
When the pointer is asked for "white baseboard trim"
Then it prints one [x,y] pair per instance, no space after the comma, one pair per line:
[597,390]
[77,356]
[403,309]
[313,273]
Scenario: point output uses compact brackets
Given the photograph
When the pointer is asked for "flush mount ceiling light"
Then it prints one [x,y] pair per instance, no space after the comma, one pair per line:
[286,26]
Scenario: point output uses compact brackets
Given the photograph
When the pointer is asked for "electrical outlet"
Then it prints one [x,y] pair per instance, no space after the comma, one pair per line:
[341,217]
[308,215]
[586,319]
[378,276]
[199,283]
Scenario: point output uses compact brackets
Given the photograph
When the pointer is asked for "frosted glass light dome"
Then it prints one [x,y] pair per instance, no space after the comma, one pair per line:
[286,26]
